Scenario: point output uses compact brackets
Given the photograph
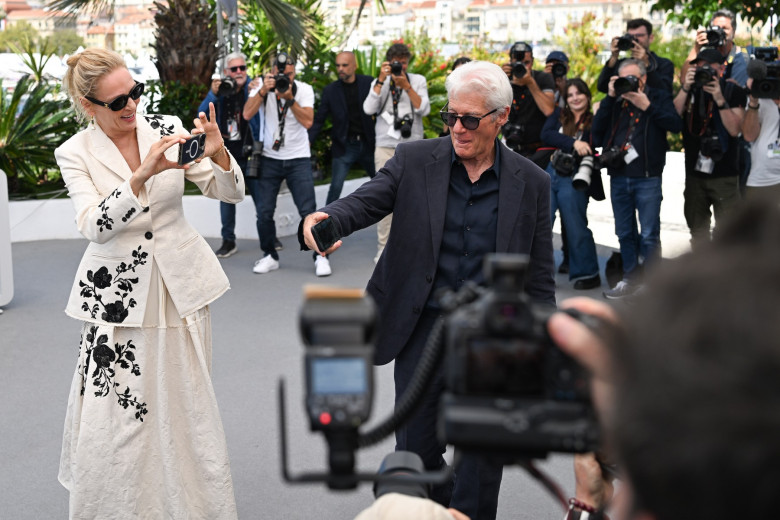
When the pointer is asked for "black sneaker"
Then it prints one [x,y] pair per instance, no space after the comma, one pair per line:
[278,245]
[563,268]
[584,284]
[227,249]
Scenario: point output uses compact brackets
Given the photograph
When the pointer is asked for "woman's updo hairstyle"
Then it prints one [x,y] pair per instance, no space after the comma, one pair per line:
[84,71]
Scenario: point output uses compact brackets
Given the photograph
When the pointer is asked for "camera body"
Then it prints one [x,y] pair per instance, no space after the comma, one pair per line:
[626,84]
[766,85]
[519,70]
[404,125]
[396,68]
[766,54]
[710,146]
[509,388]
[282,81]
[563,163]
[338,329]
[227,87]
[716,36]
[703,75]
[626,42]
[513,136]
[255,155]
[613,157]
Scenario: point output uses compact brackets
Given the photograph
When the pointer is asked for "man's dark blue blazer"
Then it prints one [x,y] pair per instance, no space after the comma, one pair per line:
[334,102]
[413,185]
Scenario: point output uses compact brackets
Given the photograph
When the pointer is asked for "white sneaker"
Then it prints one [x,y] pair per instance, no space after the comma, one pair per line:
[265,264]
[322,266]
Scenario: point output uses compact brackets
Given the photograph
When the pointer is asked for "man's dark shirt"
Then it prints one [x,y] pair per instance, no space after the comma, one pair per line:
[354,109]
[703,109]
[470,225]
[525,112]
[660,74]
[232,107]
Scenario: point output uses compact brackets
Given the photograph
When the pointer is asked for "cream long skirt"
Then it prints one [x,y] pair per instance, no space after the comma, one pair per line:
[143,436]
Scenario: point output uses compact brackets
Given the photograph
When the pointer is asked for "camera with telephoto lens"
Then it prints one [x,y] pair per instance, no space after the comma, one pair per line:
[703,75]
[626,84]
[765,54]
[563,163]
[559,70]
[509,389]
[626,42]
[518,70]
[513,136]
[396,68]
[581,180]
[710,146]
[255,156]
[404,125]
[613,157]
[282,81]
[227,87]
[716,36]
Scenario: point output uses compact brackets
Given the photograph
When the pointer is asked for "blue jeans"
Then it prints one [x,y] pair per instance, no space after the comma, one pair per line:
[631,196]
[356,152]
[227,211]
[297,173]
[573,205]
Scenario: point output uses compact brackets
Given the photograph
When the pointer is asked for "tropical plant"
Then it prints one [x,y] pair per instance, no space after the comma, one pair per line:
[34,120]
[17,34]
[698,12]
[175,98]
[65,41]
[582,43]
[34,57]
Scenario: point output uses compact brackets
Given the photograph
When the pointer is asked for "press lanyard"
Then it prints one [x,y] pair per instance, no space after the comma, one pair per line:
[631,124]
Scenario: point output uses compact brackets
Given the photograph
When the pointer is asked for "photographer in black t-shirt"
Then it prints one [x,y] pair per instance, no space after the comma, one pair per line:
[532,101]
[712,109]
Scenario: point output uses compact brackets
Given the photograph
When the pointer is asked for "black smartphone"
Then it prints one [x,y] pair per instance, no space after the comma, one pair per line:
[325,235]
[192,149]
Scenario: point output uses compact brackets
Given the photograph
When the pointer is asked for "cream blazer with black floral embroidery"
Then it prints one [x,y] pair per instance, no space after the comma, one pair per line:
[127,233]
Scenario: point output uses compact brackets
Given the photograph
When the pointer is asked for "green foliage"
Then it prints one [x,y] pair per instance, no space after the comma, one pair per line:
[34,58]
[65,41]
[19,34]
[583,41]
[34,120]
[698,12]
[175,98]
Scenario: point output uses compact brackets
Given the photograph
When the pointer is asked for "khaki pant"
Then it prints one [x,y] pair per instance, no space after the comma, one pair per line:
[381,156]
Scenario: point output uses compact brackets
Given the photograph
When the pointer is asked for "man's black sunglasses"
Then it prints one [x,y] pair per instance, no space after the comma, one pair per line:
[242,68]
[468,122]
[121,102]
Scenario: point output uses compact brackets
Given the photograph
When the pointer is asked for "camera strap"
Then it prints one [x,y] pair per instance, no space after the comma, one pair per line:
[633,119]
[395,93]
[281,112]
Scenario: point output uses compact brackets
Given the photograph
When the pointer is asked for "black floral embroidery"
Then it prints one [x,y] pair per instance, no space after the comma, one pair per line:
[159,122]
[106,222]
[106,360]
[128,214]
[100,280]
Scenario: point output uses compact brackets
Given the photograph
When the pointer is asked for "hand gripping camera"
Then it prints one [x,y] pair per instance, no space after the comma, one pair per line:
[626,42]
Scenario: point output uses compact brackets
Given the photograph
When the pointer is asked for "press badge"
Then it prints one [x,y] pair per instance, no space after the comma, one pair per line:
[631,154]
[704,164]
[773,150]
[232,130]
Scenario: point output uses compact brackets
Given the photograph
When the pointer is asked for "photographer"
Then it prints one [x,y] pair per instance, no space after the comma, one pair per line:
[568,129]
[240,135]
[712,112]
[631,125]
[353,130]
[289,112]
[720,36]
[533,99]
[637,40]
[761,127]
[399,100]
[686,387]
[557,65]
[465,193]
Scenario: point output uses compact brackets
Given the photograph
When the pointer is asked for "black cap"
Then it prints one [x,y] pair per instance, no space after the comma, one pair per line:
[710,55]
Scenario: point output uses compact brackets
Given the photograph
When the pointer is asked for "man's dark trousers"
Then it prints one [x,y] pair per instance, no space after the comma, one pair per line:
[477,481]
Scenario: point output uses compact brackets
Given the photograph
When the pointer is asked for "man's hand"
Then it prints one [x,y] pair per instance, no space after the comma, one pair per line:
[308,223]
[215,83]
[611,87]
[269,82]
[638,52]
[402,82]
[701,40]
[688,79]
[713,88]
[613,48]
[287,94]
[590,484]
[384,71]
[507,68]
[638,99]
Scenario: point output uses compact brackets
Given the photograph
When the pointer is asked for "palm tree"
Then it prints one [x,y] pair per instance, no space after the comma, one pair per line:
[187,46]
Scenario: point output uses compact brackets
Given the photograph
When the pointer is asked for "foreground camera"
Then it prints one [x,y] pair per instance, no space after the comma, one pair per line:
[226,87]
[396,68]
[510,389]
[282,81]
[404,125]
[626,84]
[613,157]
[769,86]
[703,75]
[558,70]
[519,70]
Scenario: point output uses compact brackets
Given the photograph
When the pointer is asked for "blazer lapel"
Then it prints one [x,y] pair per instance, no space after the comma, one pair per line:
[511,186]
[105,151]
[437,179]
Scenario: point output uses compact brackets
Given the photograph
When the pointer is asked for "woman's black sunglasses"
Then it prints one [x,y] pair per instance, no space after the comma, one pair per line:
[120,102]
[468,122]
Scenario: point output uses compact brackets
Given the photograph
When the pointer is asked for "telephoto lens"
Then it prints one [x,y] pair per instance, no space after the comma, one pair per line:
[396,68]
[626,84]
[626,42]
[581,179]
[519,70]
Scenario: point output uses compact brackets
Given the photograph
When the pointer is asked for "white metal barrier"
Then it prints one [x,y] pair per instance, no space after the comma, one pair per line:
[6,265]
